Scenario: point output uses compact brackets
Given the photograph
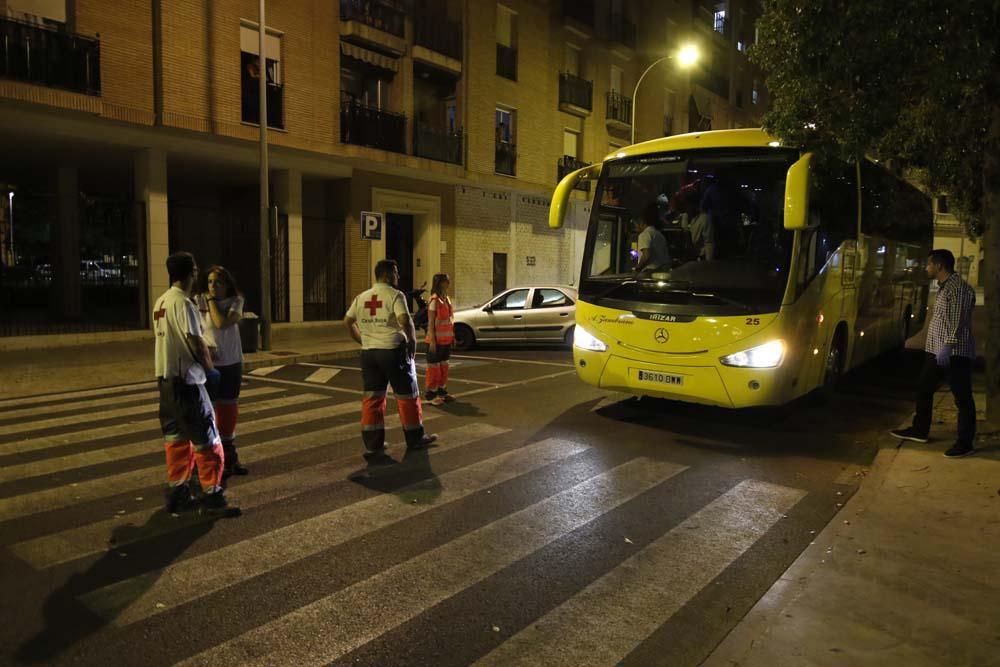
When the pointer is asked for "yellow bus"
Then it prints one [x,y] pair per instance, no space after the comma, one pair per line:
[783,270]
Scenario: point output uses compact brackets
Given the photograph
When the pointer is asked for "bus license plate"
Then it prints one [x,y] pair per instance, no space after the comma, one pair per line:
[661,378]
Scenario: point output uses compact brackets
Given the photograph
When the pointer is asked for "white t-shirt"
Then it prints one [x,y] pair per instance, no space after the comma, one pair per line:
[378,311]
[659,254]
[174,319]
[226,341]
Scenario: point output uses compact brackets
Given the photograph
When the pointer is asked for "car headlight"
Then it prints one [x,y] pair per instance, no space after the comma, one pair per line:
[584,340]
[768,355]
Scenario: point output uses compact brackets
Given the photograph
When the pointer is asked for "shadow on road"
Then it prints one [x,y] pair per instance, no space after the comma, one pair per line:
[411,480]
[68,621]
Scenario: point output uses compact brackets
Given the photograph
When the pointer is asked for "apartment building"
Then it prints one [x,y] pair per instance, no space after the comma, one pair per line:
[130,131]
[951,234]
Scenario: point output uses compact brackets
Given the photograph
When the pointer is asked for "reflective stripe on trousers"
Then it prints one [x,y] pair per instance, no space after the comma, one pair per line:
[380,369]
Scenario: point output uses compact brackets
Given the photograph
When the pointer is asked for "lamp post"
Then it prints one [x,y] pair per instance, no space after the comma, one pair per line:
[265,207]
[687,56]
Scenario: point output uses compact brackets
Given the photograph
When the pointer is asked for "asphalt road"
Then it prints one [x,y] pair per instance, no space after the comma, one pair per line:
[554,524]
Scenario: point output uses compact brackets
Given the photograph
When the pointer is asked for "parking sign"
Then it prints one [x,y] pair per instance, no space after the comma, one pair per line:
[371,225]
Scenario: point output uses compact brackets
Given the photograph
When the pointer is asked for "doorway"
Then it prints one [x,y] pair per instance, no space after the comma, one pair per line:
[499,272]
[399,246]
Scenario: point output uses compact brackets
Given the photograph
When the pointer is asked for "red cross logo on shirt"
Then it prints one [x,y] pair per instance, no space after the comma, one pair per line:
[159,313]
[373,305]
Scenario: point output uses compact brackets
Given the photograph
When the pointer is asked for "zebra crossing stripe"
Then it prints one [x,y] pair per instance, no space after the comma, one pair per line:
[72,420]
[129,450]
[323,375]
[54,410]
[102,391]
[104,487]
[323,631]
[75,543]
[266,370]
[608,619]
[126,428]
[134,599]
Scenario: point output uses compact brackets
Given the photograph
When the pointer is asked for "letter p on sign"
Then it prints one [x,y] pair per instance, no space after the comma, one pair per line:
[371,225]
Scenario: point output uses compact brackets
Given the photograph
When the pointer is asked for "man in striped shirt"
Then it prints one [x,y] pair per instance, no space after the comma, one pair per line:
[950,353]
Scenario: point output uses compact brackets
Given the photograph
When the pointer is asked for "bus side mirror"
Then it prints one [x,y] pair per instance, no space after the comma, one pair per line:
[797,194]
[560,198]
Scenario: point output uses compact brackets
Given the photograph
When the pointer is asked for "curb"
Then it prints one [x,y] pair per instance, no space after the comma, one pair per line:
[741,640]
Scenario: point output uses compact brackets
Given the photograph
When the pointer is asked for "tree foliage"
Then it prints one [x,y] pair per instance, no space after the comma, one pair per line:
[905,80]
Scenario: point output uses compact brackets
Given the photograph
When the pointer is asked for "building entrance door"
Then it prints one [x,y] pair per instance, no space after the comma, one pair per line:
[399,246]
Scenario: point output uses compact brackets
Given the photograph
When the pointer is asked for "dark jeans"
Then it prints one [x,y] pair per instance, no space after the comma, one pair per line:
[959,376]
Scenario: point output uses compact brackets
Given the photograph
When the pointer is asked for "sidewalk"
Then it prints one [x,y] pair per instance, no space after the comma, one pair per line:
[42,371]
[905,574]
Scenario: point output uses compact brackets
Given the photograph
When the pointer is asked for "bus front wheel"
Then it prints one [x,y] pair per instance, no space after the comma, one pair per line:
[834,369]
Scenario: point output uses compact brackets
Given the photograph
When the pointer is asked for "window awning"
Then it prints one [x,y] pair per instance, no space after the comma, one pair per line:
[371,57]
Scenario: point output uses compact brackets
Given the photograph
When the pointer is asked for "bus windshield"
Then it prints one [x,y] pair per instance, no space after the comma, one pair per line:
[721,215]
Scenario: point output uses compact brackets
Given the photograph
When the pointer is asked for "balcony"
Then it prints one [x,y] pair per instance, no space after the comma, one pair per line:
[439,145]
[379,15]
[506,158]
[567,165]
[619,111]
[507,62]
[377,23]
[621,30]
[367,126]
[438,34]
[712,82]
[275,105]
[579,11]
[44,57]
[576,95]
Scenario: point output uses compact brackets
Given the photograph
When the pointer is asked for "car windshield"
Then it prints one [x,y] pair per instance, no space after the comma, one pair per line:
[720,216]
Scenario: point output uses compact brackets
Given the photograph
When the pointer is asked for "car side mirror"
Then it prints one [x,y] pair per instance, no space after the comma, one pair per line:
[489,308]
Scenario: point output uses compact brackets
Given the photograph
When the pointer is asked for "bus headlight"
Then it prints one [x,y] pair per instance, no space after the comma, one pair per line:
[584,340]
[768,355]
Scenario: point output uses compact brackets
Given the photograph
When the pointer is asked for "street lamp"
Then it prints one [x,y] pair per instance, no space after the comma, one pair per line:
[686,57]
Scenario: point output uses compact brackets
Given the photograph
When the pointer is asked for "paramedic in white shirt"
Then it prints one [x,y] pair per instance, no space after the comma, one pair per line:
[186,416]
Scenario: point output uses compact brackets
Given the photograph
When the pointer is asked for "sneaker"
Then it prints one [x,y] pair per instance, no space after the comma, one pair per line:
[958,451]
[216,504]
[448,398]
[437,400]
[379,459]
[425,442]
[430,395]
[910,434]
[179,499]
[235,469]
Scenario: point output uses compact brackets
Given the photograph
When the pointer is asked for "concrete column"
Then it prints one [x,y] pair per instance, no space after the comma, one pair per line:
[288,199]
[150,169]
[66,300]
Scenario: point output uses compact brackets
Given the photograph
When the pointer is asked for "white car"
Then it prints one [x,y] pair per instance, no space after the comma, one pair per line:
[539,314]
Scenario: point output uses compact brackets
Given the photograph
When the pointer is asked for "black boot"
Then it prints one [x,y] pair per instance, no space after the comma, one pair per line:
[179,499]
[216,504]
[232,465]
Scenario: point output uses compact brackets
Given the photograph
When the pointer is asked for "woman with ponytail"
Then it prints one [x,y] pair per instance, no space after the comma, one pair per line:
[440,336]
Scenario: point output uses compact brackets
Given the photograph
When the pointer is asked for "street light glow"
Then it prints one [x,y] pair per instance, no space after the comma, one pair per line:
[688,55]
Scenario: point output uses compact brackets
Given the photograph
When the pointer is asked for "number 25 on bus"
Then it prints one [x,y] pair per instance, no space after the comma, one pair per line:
[726,269]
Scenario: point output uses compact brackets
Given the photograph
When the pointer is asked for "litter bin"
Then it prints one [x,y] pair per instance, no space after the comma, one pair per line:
[250,332]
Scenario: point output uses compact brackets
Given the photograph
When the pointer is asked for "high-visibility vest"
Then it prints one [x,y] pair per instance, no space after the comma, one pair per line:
[444,328]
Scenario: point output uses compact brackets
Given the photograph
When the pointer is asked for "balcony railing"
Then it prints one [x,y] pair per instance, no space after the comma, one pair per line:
[275,105]
[45,57]
[507,62]
[576,91]
[621,29]
[619,108]
[380,15]
[438,34]
[506,158]
[367,126]
[579,10]
[438,145]
[567,165]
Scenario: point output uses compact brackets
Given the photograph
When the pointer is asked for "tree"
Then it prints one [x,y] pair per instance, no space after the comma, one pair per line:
[917,82]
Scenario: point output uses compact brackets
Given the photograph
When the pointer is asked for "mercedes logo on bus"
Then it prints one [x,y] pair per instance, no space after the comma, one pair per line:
[661,336]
